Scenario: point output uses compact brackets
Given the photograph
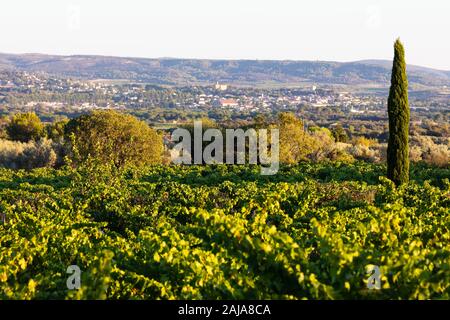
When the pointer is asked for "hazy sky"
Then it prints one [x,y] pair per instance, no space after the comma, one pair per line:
[343,30]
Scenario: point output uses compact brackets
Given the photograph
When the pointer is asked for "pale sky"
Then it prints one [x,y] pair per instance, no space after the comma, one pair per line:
[339,30]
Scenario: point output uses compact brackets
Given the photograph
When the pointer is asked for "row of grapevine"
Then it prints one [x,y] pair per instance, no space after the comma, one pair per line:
[224,232]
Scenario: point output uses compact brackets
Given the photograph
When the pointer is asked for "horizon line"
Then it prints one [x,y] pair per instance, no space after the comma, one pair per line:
[213,59]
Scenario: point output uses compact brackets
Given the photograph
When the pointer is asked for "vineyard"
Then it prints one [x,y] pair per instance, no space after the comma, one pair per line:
[224,232]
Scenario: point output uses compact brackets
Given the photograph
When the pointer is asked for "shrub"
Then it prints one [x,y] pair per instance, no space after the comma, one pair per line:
[363,141]
[39,154]
[415,153]
[425,149]
[437,155]
[27,155]
[110,136]
[11,153]
[25,127]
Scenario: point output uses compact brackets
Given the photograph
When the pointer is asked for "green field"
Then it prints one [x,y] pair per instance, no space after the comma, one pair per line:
[224,232]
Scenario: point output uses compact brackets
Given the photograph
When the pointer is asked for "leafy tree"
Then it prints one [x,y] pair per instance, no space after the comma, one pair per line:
[260,121]
[295,143]
[116,137]
[25,127]
[3,125]
[55,130]
[321,130]
[398,110]
[339,134]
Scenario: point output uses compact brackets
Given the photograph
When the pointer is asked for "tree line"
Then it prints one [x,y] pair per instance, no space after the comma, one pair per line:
[125,140]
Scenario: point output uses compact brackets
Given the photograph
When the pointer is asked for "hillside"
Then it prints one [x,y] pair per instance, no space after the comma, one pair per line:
[171,71]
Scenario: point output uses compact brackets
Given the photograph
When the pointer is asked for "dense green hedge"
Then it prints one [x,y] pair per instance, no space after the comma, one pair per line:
[224,232]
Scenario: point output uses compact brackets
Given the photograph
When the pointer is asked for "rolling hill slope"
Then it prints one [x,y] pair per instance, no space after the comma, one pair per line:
[172,71]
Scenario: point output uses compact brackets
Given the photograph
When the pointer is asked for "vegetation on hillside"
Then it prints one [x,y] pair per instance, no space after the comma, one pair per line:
[194,71]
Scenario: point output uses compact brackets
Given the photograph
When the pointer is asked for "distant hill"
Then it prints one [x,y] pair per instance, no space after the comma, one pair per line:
[171,71]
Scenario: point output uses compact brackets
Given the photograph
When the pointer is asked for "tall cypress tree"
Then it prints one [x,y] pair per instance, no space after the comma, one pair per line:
[398,110]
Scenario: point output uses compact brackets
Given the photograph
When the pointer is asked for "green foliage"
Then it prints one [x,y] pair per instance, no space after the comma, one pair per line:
[4,120]
[295,143]
[339,134]
[55,130]
[25,127]
[29,155]
[398,110]
[116,137]
[223,232]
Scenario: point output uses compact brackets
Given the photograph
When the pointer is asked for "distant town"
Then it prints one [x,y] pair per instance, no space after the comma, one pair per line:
[166,106]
